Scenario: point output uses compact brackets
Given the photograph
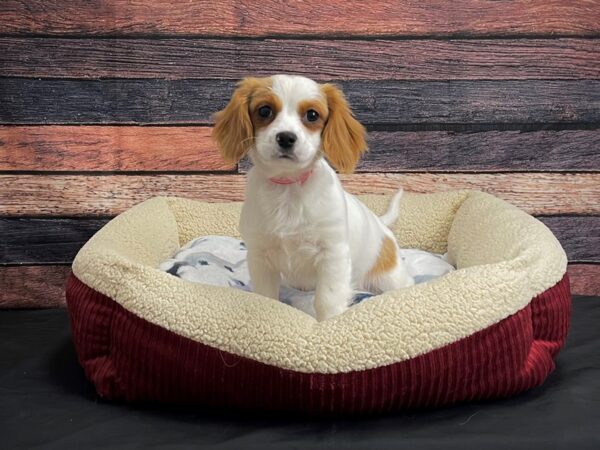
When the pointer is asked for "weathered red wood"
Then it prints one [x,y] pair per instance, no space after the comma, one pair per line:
[33,286]
[309,18]
[585,279]
[134,148]
[107,148]
[92,195]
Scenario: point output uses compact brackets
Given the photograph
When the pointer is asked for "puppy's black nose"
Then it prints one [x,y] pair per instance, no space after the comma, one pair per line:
[286,139]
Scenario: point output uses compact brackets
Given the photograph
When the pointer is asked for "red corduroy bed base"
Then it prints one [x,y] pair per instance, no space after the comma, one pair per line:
[129,358]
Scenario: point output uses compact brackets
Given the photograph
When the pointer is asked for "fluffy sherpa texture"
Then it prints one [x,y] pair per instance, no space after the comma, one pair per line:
[505,258]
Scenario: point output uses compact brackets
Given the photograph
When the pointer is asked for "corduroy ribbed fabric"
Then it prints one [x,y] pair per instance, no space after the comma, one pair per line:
[131,359]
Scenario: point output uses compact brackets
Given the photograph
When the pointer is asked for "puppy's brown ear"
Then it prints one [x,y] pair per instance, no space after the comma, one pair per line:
[233,129]
[343,137]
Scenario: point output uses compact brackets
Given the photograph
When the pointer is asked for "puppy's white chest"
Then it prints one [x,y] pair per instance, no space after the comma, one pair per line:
[293,227]
[296,257]
[295,234]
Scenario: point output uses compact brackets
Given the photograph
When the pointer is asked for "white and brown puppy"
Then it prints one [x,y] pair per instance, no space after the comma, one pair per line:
[298,223]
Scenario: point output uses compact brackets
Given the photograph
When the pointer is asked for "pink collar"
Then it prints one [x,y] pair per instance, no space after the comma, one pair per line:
[300,180]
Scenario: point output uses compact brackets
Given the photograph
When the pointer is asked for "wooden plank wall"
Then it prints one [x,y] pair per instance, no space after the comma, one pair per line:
[106,103]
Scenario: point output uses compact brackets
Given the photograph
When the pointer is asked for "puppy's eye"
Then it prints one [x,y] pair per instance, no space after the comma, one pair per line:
[312,115]
[265,112]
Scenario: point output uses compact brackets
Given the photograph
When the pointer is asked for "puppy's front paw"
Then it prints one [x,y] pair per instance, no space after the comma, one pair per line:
[327,313]
[328,307]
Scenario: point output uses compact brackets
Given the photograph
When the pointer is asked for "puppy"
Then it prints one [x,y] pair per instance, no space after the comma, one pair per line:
[299,225]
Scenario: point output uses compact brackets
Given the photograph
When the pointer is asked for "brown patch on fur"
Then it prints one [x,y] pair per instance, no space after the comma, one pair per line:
[320,107]
[264,97]
[344,138]
[234,130]
[386,260]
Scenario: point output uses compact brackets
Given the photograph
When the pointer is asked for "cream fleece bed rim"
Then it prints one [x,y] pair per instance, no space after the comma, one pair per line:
[504,258]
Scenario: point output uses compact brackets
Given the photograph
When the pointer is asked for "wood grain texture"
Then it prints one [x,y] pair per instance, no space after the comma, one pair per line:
[582,234]
[134,148]
[335,59]
[89,148]
[585,279]
[33,286]
[311,17]
[57,240]
[483,151]
[44,241]
[89,195]
[45,101]
[43,286]
[435,151]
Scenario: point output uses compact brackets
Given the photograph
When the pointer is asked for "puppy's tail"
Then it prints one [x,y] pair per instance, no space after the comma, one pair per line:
[393,211]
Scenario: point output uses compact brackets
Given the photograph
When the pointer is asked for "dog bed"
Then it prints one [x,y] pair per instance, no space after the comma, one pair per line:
[489,329]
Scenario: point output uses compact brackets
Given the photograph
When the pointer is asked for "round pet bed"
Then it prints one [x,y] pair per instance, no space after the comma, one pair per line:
[488,329]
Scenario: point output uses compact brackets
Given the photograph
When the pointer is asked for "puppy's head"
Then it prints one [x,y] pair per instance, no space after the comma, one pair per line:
[285,121]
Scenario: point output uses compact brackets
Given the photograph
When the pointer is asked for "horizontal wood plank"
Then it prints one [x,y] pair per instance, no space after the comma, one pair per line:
[89,148]
[57,240]
[490,59]
[585,279]
[47,241]
[44,286]
[579,235]
[33,286]
[482,151]
[50,101]
[92,195]
[311,17]
[134,148]
[434,151]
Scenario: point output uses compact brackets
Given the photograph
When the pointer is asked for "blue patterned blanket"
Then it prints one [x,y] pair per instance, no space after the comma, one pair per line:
[221,261]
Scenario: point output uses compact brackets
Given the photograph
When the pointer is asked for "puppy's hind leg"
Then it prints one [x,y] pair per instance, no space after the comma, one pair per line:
[389,271]
[396,278]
